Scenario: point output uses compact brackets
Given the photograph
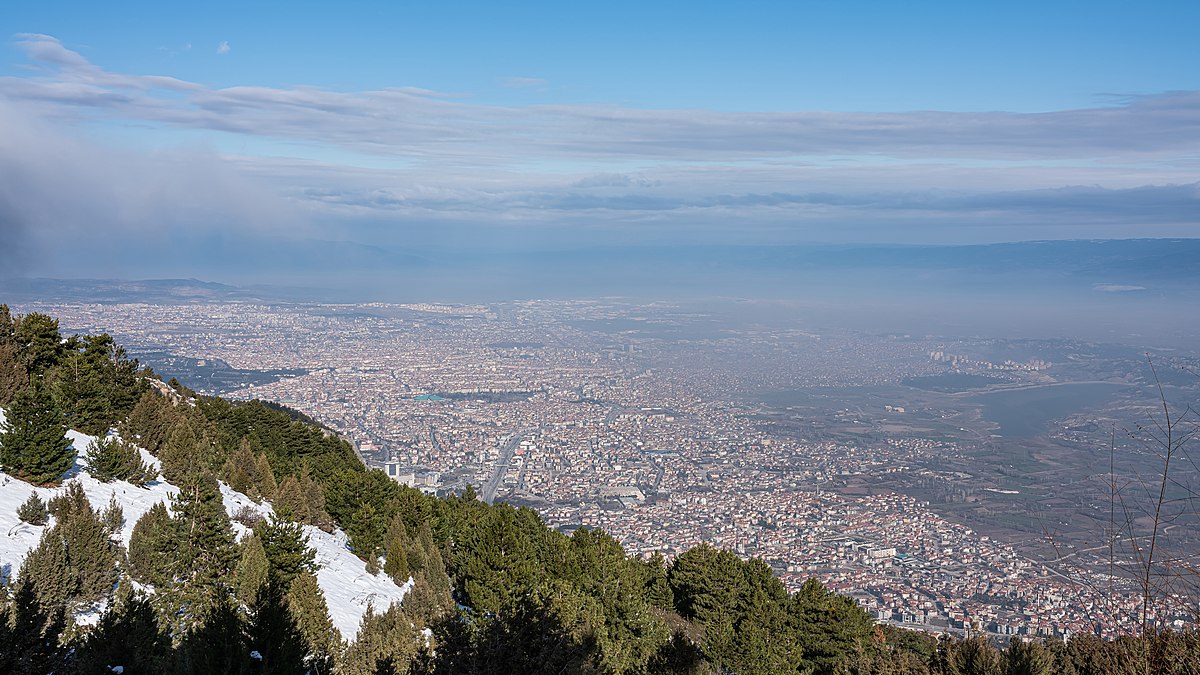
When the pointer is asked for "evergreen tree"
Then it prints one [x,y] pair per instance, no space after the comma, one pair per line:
[74,561]
[29,635]
[366,532]
[384,640]
[33,510]
[13,376]
[975,657]
[306,605]
[206,549]
[127,636]
[79,386]
[314,502]
[829,627]
[150,421]
[395,544]
[1027,658]
[287,551]
[46,572]
[113,516]
[291,502]
[241,471]
[39,344]
[112,458]
[215,643]
[267,487]
[272,634]
[153,547]
[34,444]
[188,452]
[252,570]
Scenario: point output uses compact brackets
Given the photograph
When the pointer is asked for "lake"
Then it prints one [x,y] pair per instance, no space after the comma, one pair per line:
[1023,413]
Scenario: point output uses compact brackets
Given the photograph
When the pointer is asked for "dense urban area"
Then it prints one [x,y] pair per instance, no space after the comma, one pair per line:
[934,480]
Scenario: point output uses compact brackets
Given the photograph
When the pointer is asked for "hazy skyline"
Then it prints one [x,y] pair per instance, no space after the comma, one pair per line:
[177,136]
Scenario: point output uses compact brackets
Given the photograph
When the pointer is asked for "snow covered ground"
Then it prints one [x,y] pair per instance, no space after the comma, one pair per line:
[342,576]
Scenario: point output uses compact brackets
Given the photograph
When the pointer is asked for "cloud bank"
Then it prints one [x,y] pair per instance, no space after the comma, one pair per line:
[404,167]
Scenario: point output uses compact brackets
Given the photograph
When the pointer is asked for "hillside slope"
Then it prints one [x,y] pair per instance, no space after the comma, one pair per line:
[343,578]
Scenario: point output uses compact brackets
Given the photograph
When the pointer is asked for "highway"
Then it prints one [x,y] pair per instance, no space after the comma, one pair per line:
[506,455]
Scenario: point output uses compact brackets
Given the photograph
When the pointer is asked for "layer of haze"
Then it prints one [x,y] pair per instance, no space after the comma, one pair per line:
[478,153]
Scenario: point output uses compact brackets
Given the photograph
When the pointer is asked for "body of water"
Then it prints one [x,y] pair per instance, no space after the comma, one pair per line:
[1027,412]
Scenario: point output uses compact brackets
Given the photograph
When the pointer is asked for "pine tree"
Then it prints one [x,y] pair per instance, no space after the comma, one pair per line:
[273,635]
[1028,658]
[241,471]
[291,503]
[188,451]
[206,549]
[39,344]
[267,487]
[387,638]
[113,516]
[153,547]
[252,570]
[150,421]
[112,458]
[34,444]
[127,636]
[314,501]
[214,643]
[75,561]
[396,544]
[33,510]
[29,639]
[205,558]
[287,551]
[307,607]
[13,376]
[46,572]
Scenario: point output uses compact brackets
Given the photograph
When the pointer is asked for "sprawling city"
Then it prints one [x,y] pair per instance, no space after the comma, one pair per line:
[937,482]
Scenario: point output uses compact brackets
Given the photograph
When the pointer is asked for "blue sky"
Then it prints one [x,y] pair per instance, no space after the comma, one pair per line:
[412,126]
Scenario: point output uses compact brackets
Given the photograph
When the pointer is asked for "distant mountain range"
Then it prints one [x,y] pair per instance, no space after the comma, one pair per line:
[1125,265]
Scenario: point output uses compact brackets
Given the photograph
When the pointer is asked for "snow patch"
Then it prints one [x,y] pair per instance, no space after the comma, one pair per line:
[343,578]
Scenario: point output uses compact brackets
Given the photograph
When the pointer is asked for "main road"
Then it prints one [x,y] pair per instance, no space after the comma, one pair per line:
[506,455]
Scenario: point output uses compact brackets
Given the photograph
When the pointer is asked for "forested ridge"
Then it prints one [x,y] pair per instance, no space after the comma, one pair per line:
[493,589]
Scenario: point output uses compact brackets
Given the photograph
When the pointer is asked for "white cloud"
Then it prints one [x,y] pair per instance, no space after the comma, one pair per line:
[523,82]
[223,48]
[413,157]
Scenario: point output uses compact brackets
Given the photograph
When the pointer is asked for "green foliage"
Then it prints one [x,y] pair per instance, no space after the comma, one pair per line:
[188,452]
[267,486]
[152,547]
[33,510]
[386,640]
[287,552]
[215,642]
[252,570]
[830,627]
[39,344]
[241,472]
[113,516]
[307,608]
[1027,658]
[150,421]
[127,635]
[74,562]
[13,375]
[112,458]
[273,634]
[975,656]
[29,634]
[34,444]
[500,556]
[206,548]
